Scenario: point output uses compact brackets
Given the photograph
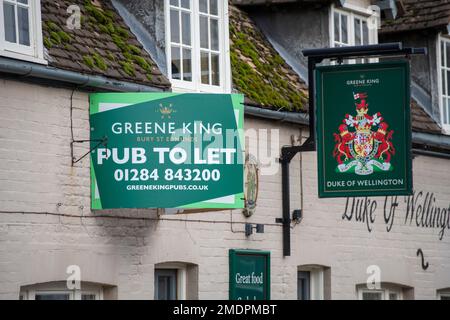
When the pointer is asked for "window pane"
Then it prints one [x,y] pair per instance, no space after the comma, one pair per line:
[204,41]
[175,3]
[9,15]
[88,296]
[203,6]
[358,32]
[204,61]
[393,296]
[448,83]
[344,28]
[303,285]
[215,69]
[371,296]
[186,28]
[23,1]
[24,26]
[214,34]
[336,27]
[443,53]
[444,108]
[176,66]
[447,112]
[447,55]
[444,85]
[365,33]
[165,284]
[52,296]
[187,65]
[213,8]
[445,297]
[185,4]
[174,26]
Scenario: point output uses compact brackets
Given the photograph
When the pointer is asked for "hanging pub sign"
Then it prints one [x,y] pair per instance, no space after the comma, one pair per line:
[364,130]
[249,275]
[166,150]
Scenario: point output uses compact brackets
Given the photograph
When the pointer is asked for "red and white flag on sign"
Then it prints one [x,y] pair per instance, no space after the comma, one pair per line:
[359,95]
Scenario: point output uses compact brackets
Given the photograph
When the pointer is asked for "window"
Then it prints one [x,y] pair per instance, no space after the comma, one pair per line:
[176,281]
[313,282]
[444,80]
[303,288]
[59,291]
[385,293]
[443,294]
[350,29]
[20,30]
[166,284]
[196,45]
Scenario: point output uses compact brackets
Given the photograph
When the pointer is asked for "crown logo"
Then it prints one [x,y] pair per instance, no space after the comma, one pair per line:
[166,112]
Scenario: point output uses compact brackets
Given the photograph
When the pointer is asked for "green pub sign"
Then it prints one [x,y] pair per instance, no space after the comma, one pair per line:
[166,150]
[364,130]
[249,275]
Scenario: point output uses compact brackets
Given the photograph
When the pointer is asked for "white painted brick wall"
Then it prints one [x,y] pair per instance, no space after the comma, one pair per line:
[36,176]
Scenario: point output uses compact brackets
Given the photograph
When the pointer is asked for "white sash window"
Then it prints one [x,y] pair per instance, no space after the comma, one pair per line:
[444,81]
[197,45]
[21,30]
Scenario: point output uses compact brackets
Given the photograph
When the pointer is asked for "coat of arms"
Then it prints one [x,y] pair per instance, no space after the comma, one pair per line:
[363,145]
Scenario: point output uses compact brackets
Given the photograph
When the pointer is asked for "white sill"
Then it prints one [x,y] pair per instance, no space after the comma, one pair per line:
[23,57]
[176,88]
[446,130]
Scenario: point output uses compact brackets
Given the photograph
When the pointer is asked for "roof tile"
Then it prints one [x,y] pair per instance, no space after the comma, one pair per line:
[420,14]
[92,49]
[259,71]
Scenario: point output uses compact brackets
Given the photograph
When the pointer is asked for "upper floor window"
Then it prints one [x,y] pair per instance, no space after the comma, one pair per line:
[20,30]
[350,29]
[444,87]
[197,45]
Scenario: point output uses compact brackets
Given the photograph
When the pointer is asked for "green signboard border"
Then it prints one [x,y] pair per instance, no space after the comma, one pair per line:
[234,255]
[133,98]
[320,71]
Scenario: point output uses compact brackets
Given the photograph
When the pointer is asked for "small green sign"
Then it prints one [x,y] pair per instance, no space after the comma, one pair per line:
[249,275]
[364,130]
[166,150]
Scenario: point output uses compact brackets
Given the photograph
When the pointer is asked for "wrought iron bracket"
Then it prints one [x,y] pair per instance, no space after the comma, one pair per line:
[101,142]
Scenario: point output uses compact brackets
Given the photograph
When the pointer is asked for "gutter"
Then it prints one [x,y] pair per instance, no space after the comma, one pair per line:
[28,69]
[283,116]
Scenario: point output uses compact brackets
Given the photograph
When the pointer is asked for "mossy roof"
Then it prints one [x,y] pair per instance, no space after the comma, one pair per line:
[104,45]
[259,71]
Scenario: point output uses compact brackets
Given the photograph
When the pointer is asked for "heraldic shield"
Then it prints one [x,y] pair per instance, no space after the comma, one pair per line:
[363,144]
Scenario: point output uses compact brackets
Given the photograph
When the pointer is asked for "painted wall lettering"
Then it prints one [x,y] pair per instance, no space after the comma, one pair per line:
[421,210]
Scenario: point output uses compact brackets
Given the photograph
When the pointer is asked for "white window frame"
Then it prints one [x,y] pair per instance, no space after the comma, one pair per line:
[30,292]
[181,277]
[385,292]
[34,52]
[445,127]
[224,48]
[352,13]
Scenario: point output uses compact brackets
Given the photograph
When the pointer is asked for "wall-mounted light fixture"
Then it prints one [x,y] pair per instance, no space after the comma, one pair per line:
[297,216]
[249,229]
